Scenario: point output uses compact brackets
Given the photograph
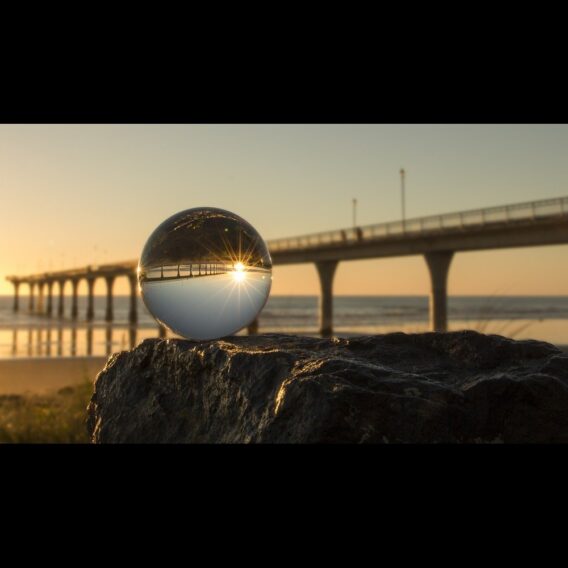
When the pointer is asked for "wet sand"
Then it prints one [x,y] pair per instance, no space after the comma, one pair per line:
[41,375]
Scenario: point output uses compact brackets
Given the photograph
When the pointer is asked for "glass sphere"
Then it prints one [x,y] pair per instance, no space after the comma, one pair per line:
[205,273]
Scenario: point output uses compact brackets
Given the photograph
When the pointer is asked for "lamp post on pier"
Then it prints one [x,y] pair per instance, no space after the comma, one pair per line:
[402,174]
[354,212]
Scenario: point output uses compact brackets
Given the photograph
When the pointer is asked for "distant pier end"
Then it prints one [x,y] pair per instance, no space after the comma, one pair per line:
[90,274]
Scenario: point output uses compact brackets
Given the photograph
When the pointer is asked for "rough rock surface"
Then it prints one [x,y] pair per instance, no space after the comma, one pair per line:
[460,387]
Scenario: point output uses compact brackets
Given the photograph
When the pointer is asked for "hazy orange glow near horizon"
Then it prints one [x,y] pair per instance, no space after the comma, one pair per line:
[87,194]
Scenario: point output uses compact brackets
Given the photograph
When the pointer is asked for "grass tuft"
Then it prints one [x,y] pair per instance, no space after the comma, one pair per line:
[42,419]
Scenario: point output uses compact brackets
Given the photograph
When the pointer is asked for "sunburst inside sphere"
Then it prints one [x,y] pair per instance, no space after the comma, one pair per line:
[205,273]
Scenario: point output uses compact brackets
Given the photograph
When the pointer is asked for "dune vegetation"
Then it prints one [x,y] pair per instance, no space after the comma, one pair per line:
[51,418]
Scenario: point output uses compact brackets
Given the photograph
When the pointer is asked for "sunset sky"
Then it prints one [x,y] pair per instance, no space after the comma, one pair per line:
[80,194]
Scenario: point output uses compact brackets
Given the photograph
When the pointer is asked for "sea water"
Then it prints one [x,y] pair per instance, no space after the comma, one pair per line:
[521,317]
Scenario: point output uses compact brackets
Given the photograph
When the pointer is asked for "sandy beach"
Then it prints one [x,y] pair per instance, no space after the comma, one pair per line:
[42,375]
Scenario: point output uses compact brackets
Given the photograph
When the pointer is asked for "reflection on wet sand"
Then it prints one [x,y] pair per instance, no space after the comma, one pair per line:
[38,342]
[76,341]
[108,338]
[73,341]
[90,340]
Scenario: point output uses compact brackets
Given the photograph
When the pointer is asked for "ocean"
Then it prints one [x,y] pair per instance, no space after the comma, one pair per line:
[522,317]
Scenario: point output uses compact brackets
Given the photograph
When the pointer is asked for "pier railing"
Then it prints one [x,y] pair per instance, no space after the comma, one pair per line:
[532,210]
[189,270]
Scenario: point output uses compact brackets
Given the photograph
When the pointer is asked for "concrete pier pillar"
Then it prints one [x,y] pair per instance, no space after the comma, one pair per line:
[133,312]
[439,265]
[60,304]
[91,299]
[39,304]
[109,316]
[49,309]
[252,328]
[31,300]
[16,296]
[326,271]
[74,301]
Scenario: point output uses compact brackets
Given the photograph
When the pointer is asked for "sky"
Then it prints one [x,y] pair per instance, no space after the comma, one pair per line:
[85,194]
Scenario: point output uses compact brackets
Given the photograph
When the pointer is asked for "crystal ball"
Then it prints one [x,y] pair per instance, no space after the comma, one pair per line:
[205,273]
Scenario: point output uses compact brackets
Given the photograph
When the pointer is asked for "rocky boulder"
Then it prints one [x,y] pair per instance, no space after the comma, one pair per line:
[459,387]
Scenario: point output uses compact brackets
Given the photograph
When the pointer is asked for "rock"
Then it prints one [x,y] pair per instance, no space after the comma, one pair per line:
[462,387]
